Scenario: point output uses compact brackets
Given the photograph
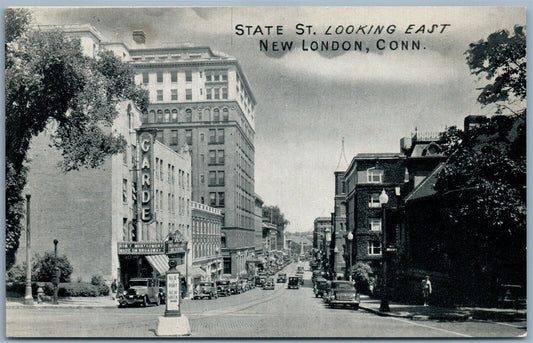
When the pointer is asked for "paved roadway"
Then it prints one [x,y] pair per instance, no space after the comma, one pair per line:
[257,313]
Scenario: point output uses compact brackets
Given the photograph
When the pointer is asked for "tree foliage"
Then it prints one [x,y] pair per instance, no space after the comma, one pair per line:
[51,83]
[501,59]
[482,186]
[275,216]
[43,267]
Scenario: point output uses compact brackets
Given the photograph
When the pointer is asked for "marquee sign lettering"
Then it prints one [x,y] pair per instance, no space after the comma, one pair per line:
[146,142]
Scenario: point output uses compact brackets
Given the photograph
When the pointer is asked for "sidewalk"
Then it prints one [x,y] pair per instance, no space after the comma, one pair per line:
[419,312]
[75,302]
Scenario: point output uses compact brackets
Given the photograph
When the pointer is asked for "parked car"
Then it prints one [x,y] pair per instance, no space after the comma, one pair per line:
[316,274]
[269,284]
[343,293]
[251,282]
[282,278]
[235,287]
[300,276]
[163,290]
[321,287]
[205,290]
[294,282]
[245,285]
[223,288]
[260,280]
[142,291]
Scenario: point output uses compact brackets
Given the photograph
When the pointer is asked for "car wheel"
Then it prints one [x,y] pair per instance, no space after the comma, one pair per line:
[316,295]
[158,302]
[356,307]
[145,302]
[216,296]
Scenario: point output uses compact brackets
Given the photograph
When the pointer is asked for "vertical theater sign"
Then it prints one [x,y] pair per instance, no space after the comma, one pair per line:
[146,142]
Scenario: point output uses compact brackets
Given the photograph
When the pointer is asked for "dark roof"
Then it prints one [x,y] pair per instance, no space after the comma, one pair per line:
[368,156]
[426,187]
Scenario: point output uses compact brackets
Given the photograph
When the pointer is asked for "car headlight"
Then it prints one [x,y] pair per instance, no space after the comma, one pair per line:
[124,293]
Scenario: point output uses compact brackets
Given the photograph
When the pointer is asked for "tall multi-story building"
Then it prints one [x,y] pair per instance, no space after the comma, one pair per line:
[203,99]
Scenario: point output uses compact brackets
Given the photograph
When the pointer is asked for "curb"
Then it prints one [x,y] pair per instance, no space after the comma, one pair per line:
[61,306]
[454,317]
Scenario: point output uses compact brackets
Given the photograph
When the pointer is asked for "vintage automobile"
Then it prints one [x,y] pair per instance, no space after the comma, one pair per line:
[321,286]
[316,274]
[205,290]
[343,293]
[300,269]
[223,288]
[141,291]
[294,282]
[260,280]
[269,284]
[245,285]
[282,278]
[300,276]
[235,287]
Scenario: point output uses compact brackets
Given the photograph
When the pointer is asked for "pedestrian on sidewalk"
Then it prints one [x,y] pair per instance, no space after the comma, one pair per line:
[426,290]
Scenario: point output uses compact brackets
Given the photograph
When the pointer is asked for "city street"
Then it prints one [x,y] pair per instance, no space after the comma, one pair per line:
[256,313]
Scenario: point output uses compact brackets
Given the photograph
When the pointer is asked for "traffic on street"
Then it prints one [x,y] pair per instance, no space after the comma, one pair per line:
[258,312]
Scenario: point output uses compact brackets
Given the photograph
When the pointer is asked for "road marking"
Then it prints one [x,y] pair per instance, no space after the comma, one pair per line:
[430,327]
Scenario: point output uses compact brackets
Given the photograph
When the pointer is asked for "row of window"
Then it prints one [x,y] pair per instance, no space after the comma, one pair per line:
[211,93]
[183,204]
[215,136]
[130,233]
[216,178]
[179,116]
[184,181]
[204,249]
[205,228]
[244,221]
[210,76]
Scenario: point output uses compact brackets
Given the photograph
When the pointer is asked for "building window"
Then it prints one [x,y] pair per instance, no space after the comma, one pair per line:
[160,136]
[145,78]
[188,136]
[202,180]
[124,191]
[227,264]
[212,157]
[188,76]
[224,75]
[202,136]
[221,178]
[167,116]
[174,76]
[216,93]
[212,136]
[174,137]
[216,114]
[374,247]
[174,116]
[374,224]
[224,93]
[188,115]
[220,156]
[159,77]
[374,175]
[208,94]
[159,95]
[374,200]
[207,114]
[212,199]
[221,199]
[174,94]
[188,94]
[225,114]
[220,135]
[159,117]
[212,178]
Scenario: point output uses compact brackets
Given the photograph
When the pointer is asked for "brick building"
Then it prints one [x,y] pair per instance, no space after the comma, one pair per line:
[366,177]
[206,231]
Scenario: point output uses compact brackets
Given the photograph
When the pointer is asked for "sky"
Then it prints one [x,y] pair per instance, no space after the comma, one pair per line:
[308,101]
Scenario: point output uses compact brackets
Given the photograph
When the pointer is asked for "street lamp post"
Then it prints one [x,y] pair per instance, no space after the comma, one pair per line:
[335,261]
[56,276]
[28,298]
[384,306]
[349,271]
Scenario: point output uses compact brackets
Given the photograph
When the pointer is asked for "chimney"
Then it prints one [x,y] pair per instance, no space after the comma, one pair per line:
[139,37]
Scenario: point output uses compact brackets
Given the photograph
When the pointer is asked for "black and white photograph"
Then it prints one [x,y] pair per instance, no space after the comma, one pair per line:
[265,172]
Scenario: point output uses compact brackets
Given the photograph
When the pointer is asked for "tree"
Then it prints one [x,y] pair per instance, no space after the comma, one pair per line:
[502,60]
[50,82]
[482,186]
[361,275]
[275,216]
[43,267]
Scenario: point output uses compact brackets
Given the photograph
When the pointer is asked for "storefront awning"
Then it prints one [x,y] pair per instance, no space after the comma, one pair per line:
[158,262]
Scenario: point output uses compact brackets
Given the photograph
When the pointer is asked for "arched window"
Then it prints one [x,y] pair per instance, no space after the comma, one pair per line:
[167,116]
[207,113]
[216,114]
[174,116]
[159,116]
[188,115]
[151,116]
[225,114]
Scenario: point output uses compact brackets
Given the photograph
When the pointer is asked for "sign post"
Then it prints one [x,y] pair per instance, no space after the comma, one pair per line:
[173,323]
